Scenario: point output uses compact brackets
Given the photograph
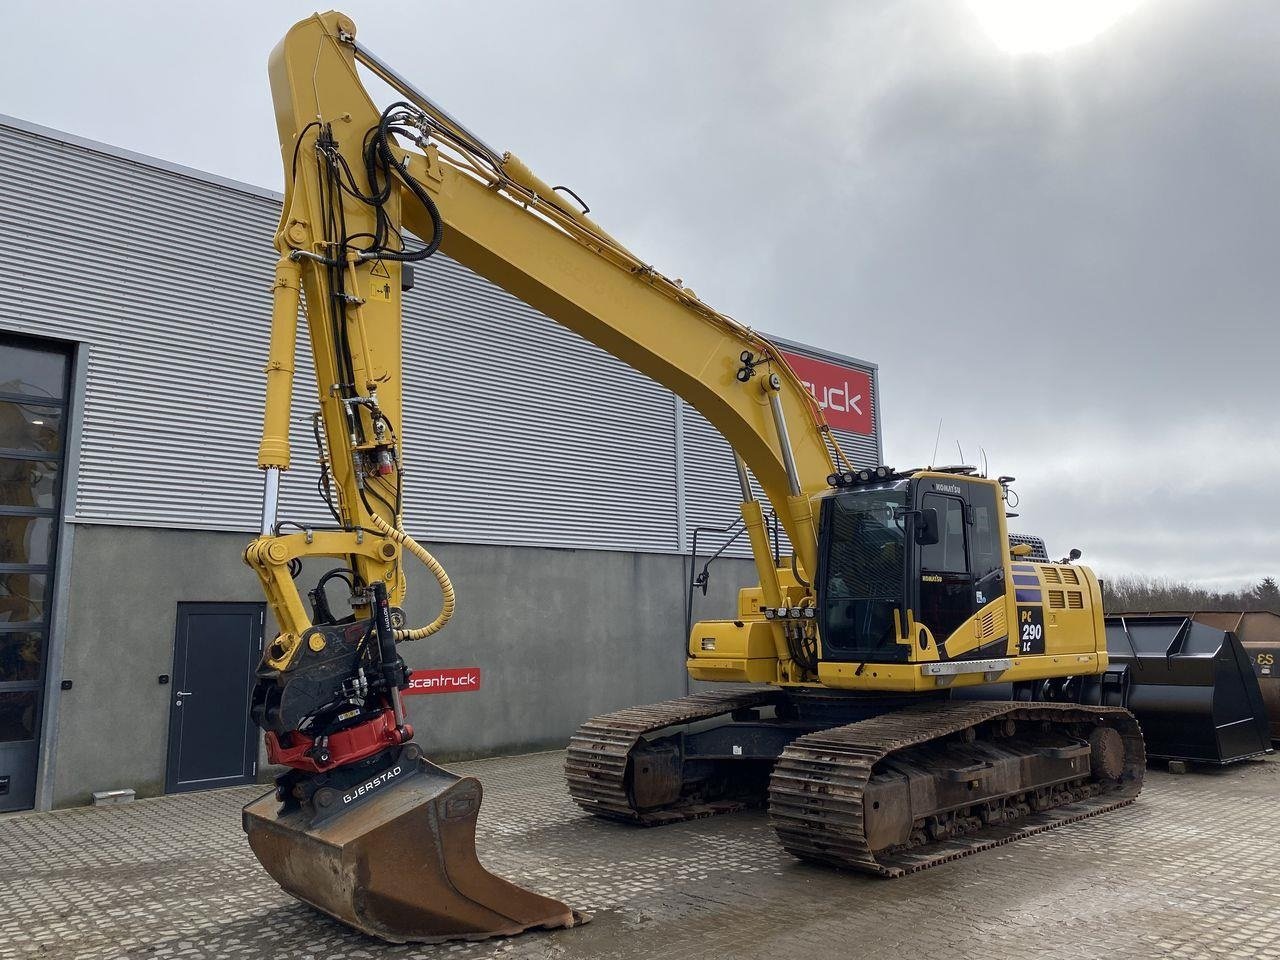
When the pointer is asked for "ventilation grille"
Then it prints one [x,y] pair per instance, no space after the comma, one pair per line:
[1070,600]
[1036,544]
[991,624]
[1056,574]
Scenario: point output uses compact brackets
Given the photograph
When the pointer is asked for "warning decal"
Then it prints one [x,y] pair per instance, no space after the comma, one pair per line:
[380,283]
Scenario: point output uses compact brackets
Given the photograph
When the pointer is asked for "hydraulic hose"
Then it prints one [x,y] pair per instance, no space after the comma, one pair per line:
[397,534]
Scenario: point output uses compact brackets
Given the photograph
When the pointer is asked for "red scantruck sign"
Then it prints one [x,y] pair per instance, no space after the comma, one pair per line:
[844,393]
[444,680]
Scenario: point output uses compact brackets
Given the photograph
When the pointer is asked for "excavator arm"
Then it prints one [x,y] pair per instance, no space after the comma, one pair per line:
[489,212]
[369,193]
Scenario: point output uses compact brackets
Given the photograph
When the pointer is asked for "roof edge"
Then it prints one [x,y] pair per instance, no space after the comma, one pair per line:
[131,156]
[822,353]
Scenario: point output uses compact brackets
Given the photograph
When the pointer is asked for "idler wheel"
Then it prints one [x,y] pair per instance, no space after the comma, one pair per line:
[1106,753]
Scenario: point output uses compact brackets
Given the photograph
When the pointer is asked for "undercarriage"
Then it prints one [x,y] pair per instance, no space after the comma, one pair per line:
[885,786]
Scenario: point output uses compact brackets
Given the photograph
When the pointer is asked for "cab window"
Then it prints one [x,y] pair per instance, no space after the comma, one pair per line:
[986,559]
[946,585]
[862,575]
[947,555]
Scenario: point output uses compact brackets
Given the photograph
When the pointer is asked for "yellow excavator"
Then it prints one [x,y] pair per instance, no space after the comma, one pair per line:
[841,692]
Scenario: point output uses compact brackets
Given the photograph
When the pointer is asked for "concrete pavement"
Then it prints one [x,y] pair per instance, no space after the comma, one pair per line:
[1187,871]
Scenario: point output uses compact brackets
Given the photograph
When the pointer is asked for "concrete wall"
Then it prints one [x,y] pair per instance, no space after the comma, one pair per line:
[560,635]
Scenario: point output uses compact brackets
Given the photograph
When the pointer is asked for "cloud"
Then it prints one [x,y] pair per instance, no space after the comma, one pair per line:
[1069,258]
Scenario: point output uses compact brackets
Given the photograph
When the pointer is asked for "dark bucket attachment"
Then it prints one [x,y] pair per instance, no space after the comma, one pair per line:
[1265,657]
[399,862]
[1259,633]
[1191,686]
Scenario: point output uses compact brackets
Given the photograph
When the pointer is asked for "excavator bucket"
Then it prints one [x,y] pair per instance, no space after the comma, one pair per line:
[1191,686]
[397,860]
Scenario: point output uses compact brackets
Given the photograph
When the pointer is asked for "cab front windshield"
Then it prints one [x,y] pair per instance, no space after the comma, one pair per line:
[864,576]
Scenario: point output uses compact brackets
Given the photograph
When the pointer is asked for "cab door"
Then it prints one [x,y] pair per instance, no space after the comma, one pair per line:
[946,578]
[986,558]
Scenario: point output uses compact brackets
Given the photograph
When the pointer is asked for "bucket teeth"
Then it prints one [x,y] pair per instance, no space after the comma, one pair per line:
[400,864]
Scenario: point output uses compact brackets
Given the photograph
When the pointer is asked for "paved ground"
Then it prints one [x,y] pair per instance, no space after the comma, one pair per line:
[1188,871]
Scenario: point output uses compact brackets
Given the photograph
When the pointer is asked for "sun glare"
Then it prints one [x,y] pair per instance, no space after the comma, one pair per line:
[1046,26]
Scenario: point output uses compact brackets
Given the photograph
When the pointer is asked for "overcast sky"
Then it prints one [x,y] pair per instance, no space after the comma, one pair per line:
[1070,255]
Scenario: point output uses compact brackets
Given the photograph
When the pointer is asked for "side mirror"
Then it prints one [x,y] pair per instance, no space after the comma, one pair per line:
[1073,556]
[927,526]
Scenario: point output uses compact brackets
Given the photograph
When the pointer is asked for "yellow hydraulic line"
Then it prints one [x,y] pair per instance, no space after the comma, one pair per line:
[273,451]
[361,358]
[519,173]
[397,534]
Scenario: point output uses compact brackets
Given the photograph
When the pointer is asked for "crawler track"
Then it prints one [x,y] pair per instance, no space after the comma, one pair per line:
[818,785]
[599,754]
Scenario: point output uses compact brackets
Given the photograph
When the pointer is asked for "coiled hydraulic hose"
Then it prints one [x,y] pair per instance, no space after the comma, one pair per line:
[397,534]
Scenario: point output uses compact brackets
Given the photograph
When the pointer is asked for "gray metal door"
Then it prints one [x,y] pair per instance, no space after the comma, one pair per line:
[212,742]
[34,381]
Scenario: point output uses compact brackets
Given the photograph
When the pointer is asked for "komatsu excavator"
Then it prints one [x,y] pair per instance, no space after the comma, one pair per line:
[847,667]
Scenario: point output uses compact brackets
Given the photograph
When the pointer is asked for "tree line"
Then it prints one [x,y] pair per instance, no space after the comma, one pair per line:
[1137,594]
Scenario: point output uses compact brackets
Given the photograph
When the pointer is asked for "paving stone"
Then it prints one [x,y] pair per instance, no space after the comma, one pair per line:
[1189,871]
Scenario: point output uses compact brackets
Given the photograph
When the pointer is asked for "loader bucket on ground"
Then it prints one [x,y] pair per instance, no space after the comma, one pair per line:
[1265,657]
[401,864]
[1259,633]
[1191,686]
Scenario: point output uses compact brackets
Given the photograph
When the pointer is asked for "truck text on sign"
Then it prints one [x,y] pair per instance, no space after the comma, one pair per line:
[844,393]
[444,680]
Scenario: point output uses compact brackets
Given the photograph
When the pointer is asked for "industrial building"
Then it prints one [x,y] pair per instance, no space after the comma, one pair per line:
[562,490]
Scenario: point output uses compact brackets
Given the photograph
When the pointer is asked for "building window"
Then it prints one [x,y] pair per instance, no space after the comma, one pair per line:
[34,381]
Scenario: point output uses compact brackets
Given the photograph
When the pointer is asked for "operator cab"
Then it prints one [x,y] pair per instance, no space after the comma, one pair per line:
[930,543]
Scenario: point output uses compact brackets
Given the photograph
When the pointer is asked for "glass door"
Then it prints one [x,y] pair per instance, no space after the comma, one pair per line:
[34,379]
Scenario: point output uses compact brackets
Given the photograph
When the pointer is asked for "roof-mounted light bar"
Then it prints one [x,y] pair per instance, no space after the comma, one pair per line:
[850,478]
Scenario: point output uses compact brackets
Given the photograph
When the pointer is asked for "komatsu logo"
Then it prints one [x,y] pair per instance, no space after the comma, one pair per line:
[381,780]
[946,488]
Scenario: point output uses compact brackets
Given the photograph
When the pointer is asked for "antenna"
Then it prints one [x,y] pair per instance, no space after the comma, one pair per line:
[960,450]
[983,451]
[935,443]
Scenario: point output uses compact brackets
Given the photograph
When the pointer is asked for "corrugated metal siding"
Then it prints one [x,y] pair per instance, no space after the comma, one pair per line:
[711,491]
[165,278]
[516,430]
[516,425]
